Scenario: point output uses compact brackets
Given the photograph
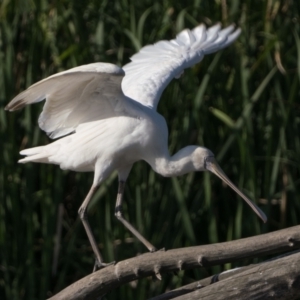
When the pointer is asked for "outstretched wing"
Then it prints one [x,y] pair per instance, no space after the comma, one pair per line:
[82,94]
[154,66]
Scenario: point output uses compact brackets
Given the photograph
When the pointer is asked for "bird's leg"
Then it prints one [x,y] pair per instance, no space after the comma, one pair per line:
[83,216]
[119,215]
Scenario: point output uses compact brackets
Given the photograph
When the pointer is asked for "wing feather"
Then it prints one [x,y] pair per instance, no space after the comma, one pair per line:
[82,94]
[154,66]
[93,92]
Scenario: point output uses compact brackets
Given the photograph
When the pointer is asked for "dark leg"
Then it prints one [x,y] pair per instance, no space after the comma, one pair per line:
[83,216]
[119,215]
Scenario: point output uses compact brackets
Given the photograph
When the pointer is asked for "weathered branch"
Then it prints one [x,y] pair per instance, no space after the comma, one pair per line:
[200,284]
[277,279]
[149,264]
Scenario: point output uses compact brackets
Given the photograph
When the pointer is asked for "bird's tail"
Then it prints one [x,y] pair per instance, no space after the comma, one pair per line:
[37,154]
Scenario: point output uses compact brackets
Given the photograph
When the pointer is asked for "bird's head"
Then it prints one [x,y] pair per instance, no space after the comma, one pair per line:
[204,160]
[200,155]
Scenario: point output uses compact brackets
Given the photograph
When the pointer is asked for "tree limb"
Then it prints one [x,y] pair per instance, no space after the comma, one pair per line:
[200,284]
[278,279]
[99,283]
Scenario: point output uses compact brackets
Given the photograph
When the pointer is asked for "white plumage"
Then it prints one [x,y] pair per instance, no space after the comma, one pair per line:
[107,117]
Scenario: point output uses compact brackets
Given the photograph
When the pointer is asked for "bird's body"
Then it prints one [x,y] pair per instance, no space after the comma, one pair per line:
[106,117]
[93,147]
[114,143]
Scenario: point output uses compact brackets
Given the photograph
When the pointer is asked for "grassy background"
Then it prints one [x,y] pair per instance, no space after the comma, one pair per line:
[242,103]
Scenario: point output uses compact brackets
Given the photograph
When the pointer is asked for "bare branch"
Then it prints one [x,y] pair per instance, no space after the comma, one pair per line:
[154,264]
[199,284]
[277,279]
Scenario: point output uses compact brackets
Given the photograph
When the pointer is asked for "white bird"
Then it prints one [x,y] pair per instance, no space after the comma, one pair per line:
[109,121]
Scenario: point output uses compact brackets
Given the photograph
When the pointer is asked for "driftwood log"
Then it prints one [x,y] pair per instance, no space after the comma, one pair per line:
[276,279]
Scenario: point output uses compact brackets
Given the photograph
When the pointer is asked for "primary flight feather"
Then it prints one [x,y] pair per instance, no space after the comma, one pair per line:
[107,120]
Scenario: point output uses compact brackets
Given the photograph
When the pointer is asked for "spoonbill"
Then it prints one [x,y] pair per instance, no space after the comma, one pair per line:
[106,118]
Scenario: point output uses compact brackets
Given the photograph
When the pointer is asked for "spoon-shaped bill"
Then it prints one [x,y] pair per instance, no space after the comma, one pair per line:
[212,166]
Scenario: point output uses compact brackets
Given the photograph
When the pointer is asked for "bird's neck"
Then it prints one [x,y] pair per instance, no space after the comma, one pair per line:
[180,163]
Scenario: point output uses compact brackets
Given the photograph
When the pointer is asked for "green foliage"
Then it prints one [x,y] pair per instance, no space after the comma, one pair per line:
[242,103]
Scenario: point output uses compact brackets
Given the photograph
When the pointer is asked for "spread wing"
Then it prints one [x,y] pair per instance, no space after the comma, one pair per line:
[93,92]
[82,94]
[154,66]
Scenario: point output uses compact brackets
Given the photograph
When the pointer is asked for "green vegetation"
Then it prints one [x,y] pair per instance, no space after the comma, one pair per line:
[242,103]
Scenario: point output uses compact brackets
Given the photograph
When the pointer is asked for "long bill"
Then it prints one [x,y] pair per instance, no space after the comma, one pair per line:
[212,166]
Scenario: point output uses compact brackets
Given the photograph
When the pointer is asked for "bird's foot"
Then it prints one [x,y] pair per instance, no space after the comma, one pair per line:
[100,265]
[155,250]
